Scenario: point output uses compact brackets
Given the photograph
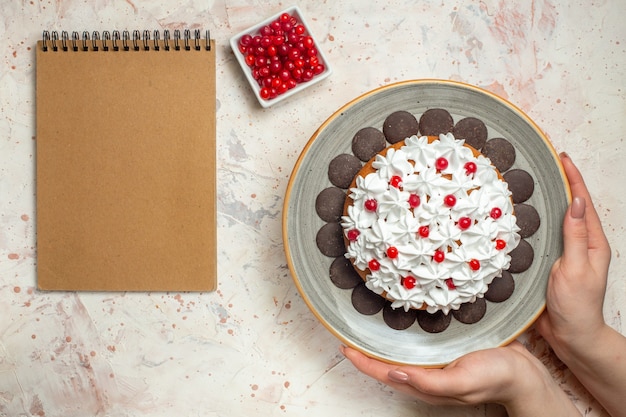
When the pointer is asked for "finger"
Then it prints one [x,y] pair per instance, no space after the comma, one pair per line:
[575,236]
[596,237]
[375,369]
[379,371]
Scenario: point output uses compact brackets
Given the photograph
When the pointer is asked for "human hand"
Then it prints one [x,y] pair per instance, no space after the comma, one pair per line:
[577,282]
[509,375]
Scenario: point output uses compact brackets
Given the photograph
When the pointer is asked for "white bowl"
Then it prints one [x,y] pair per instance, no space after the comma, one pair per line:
[234,44]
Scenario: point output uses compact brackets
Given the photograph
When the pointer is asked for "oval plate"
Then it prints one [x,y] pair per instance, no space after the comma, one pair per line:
[504,321]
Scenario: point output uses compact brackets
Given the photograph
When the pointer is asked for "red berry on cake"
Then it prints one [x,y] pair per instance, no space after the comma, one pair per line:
[496,213]
[414,200]
[423,231]
[474,264]
[409,282]
[392,252]
[465,223]
[373,265]
[441,164]
[353,234]
[439,256]
[395,181]
[470,168]
[371,204]
[500,244]
[449,200]
[450,284]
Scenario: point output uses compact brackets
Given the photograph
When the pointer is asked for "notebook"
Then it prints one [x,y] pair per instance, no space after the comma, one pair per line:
[125,153]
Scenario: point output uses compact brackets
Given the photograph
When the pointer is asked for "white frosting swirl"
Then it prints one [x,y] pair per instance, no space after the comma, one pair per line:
[474,241]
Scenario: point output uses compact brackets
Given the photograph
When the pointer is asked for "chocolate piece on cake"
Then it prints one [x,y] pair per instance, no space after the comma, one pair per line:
[433,322]
[521,184]
[342,169]
[343,275]
[329,240]
[528,219]
[400,125]
[470,313]
[365,301]
[521,257]
[434,122]
[501,288]
[473,130]
[500,152]
[329,204]
[397,318]
[367,143]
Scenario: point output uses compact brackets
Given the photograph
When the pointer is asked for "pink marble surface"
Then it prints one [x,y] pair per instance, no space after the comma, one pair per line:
[252,347]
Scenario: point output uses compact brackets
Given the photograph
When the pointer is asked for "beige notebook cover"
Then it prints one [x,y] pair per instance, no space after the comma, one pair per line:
[126,193]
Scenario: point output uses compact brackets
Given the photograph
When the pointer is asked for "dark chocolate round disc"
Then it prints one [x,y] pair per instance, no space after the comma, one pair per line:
[500,152]
[520,183]
[470,313]
[521,257]
[330,241]
[501,288]
[433,122]
[400,125]
[342,169]
[329,204]
[471,129]
[433,323]
[528,219]
[367,143]
[365,301]
[343,275]
[397,318]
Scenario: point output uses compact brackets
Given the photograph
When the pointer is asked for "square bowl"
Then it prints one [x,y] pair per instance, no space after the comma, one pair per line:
[300,85]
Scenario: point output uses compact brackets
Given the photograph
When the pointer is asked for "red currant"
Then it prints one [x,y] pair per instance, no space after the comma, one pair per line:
[465,223]
[245,40]
[409,282]
[395,181]
[265,93]
[449,200]
[371,204]
[281,44]
[474,264]
[373,265]
[450,284]
[470,167]
[414,200]
[353,234]
[500,244]
[441,164]
[439,256]
[392,252]
[495,213]
[423,231]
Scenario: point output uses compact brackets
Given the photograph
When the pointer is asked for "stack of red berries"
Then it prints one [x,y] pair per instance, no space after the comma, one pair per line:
[281,55]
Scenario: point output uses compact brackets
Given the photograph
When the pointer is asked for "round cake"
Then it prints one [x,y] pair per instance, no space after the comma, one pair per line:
[429,223]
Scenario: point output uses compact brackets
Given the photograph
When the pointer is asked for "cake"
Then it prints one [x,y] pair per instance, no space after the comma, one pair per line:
[428,223]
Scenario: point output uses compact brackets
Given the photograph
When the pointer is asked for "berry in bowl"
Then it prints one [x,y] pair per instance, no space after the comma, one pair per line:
[280,57]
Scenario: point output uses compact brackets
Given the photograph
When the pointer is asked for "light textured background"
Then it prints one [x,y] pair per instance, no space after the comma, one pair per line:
[252,347]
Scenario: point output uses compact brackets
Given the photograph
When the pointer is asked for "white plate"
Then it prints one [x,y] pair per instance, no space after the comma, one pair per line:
[504,321]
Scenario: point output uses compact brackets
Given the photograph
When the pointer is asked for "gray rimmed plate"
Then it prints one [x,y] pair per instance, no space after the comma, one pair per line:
[504,321]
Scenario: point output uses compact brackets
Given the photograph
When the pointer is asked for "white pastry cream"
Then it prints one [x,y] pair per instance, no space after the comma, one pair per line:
[432,226]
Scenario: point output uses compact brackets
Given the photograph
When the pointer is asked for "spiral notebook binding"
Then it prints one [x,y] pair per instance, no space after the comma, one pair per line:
[116,40]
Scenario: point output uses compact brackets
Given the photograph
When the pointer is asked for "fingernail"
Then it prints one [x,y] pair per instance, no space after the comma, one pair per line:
[342,349]
[398,376]
[564,155]
[578,208]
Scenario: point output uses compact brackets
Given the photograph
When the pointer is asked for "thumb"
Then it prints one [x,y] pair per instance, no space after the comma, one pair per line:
[575,235]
